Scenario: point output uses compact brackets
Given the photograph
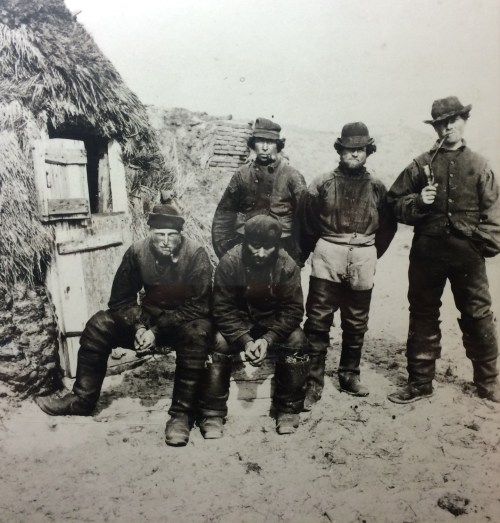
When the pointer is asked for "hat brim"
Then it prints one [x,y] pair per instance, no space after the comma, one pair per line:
[354,142]
[465,110]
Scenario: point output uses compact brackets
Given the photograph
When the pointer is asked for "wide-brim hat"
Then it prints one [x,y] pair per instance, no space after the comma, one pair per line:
[166,216]
[353,136]
[445,108]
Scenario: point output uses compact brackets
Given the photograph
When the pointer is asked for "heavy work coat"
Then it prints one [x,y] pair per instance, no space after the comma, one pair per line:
[244,297]
[254,189]
[467,197]
[174,293]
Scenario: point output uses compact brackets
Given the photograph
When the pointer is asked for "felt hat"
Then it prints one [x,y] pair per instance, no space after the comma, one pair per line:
[353,136]
[445,108]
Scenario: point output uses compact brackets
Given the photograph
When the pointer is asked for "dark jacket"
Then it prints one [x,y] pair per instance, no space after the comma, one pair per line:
[467,198]
[174,293]
[275,190]
[244,297]
[345,208]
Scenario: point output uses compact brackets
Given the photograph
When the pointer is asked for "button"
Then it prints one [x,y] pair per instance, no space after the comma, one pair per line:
[452,162]
[450,200]
[449,214]
[451,175]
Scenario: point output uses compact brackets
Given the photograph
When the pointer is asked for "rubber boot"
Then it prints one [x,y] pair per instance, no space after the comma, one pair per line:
[183,409]
[481,346]
[290,380]
[419,386]
[214,395]
[90,373]
[350,359]
[315,381]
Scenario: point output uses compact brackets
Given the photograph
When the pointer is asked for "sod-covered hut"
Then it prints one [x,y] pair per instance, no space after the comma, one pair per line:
[75,148]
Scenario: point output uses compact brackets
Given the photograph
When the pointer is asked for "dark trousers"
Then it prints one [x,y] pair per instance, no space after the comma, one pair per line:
[433,261]
[191,342]
[290,373]
[324,299]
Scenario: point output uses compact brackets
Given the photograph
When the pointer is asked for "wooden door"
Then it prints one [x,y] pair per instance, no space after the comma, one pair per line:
[88,246]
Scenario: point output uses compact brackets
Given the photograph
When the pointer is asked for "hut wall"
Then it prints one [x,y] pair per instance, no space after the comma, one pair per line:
[29,361]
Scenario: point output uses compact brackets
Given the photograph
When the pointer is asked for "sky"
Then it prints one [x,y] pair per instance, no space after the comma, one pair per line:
[310,63]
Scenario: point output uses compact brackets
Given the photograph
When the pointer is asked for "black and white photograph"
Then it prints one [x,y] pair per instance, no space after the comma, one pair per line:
[249,261]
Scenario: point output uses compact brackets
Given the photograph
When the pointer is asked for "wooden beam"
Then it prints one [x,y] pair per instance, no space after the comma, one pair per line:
[90,243]
[62,206]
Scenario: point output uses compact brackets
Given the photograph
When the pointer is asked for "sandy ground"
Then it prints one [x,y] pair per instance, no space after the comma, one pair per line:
[351,460]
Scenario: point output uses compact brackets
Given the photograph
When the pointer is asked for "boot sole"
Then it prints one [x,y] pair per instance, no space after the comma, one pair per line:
[212,435]
[411,400]
[357,394]
[176,442]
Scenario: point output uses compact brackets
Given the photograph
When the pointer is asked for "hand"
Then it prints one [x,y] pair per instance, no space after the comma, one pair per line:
[428,194]
[145,341]
[259,351]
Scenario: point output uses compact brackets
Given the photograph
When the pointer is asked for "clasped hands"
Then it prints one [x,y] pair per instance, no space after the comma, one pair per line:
[255,351]
[145,341]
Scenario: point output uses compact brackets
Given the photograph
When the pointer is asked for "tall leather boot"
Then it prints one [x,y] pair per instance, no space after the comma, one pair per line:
[354,312]
[90,373]
[481,347]
[315,381]
[423,348]
[183,409]
[350,359]
[214,395]
[290,380]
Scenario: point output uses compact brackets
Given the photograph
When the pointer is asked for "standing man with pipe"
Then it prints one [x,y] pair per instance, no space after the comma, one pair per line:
[450,195]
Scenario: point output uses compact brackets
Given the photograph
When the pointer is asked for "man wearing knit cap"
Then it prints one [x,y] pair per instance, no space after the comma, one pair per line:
[349,225]
[175,274]
[450,195]
[267,185]
[257,305]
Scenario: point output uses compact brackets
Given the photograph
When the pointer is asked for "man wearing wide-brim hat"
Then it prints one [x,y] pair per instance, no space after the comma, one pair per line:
[176,275]
[450,195]
[267,185]
[349,225]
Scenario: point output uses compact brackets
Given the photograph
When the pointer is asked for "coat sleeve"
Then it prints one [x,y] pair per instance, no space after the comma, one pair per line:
[126,284]
[224,235]
[198,278]
[231,320]
[387,222]
[290,305]
[309,212]
[488,230]
[299,192]
[404,196]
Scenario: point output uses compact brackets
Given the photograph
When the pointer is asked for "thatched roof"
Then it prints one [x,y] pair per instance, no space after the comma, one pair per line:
[52,76]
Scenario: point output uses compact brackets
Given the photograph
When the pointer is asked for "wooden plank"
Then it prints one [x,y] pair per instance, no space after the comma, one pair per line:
[72,345]
[90,243]
[104,183]
[117,178]
[60,206]
[59,156]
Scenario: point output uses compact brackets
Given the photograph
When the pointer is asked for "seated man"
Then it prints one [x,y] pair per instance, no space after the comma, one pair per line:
[175,273]
[257,304]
